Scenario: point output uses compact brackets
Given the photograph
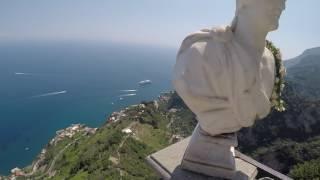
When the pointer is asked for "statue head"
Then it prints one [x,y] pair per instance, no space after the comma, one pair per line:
[265,14]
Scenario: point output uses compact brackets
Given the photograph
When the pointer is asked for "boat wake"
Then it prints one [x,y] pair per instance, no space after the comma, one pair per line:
[127,95]
[129,90]
[50,94]
[21,73]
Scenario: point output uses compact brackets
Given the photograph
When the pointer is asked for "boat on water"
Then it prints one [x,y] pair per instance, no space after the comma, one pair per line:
[145,82]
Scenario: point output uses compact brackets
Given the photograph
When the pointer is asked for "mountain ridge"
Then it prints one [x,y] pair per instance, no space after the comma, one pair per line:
[296,60]
[302,73]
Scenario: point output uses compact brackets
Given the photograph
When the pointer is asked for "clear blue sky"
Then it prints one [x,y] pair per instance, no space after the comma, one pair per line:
[163,22]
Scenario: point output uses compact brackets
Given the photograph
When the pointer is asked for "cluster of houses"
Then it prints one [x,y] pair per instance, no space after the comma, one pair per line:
[71,131]
[127,131]
[15,173]
[165,96]
[115,116]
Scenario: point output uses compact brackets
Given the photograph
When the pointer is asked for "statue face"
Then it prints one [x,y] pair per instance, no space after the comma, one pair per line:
[265,13]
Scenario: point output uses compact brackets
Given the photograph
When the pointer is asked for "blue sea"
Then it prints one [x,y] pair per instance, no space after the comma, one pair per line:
[47,86]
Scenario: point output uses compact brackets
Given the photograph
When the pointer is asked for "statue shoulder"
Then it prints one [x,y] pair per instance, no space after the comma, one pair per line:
[214,38]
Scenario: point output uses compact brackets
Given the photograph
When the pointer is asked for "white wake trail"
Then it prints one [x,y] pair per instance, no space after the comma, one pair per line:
[129,90]
[50,94]
[126,95]
[21,73]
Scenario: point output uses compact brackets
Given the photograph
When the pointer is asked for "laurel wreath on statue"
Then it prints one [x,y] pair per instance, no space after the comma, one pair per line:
[277,102]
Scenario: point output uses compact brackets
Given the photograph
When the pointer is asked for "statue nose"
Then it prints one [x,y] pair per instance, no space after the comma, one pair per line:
[284,5]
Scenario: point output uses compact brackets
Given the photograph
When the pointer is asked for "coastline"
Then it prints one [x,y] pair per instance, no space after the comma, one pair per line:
[73,133]
[70,135]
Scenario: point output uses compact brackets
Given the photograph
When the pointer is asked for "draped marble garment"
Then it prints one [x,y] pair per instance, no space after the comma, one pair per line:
[221,83]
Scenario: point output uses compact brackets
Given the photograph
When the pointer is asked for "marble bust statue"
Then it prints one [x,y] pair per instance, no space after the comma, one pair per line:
[225,75]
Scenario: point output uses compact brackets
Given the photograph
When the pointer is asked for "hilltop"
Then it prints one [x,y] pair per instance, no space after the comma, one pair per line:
[303,73]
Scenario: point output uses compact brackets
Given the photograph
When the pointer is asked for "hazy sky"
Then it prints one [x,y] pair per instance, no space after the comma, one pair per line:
[162,22]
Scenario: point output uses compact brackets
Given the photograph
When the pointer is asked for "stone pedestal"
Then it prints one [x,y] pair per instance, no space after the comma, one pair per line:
[168,164]
[211,155]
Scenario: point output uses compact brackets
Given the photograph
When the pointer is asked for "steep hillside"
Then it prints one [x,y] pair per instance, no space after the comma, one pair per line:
[303,72]
[285,139]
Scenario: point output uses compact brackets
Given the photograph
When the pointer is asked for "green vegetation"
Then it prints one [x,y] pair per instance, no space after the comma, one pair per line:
[307,170]
[183,121]
[283,140]
[110,153]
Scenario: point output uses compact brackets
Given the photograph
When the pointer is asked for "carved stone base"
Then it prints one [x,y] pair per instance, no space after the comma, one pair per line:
[211,155]
[167,164]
